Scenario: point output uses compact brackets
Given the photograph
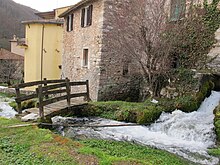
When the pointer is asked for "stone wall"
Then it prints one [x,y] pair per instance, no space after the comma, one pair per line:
[214,55]
[84,38]
[119,73]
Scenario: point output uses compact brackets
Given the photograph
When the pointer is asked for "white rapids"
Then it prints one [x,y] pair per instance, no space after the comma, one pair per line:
[186,134]
[5,109]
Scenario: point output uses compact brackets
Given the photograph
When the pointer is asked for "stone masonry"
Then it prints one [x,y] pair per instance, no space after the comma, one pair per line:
[112,74]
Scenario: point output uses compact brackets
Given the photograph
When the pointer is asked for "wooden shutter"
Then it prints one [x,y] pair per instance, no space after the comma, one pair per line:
[83,17]
[89,15]
[71,22]
[67,23]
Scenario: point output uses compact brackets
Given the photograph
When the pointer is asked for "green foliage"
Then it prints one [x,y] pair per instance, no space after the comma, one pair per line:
[193,37]
[212,16]
[110,152]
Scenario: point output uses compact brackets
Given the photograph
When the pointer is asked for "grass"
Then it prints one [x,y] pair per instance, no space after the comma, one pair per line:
[112,151]
[32,145]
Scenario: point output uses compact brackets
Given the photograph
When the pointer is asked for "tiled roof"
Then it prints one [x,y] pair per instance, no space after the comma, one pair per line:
[46,15]
[44,21]
[6,55]
[74,7]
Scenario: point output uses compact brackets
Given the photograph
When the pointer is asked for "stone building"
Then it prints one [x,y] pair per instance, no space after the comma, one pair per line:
[90,52]
[15,48]
[11,66]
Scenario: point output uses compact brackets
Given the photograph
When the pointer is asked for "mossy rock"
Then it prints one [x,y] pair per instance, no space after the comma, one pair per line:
[205,90]
[149,115]
[186,104]
[217,122]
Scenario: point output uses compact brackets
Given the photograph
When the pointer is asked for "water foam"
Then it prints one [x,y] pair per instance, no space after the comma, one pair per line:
[5,109]
[186,134]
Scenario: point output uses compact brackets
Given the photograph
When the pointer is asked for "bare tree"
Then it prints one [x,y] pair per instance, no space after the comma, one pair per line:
[140,36]
[10,70]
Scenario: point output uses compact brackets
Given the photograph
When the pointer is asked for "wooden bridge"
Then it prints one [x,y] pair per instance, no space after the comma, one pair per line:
[52,95]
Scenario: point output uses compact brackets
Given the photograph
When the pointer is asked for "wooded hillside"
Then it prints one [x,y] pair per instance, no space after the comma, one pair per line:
[11,15]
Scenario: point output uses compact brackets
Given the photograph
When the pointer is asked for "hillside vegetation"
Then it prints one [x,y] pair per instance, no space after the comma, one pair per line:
[11,15]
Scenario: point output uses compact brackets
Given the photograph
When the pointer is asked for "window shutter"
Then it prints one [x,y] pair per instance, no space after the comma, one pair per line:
[67,23]
[177,9]
[89,15]
[71,22]
[83,17]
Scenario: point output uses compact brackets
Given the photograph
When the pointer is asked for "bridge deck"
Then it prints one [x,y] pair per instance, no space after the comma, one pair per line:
[57,108]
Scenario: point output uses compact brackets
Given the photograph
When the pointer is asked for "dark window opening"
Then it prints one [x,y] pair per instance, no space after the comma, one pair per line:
[85,57]
[125,69]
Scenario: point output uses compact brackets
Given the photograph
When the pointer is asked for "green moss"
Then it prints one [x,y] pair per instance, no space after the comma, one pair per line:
[24,105]
[205,90]
[217,122]
[186,103]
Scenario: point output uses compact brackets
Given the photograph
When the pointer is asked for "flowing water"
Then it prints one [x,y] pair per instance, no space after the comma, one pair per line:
[186,134]
[5,109]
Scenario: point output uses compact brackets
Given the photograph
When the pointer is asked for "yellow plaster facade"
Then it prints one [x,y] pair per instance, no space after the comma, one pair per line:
[43,48]
[43,51]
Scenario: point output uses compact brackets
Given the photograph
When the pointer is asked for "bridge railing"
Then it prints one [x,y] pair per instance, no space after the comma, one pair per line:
[32,95]
[60,89]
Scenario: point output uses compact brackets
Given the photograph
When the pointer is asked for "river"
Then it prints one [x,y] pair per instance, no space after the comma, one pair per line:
[186,134]
[5,109]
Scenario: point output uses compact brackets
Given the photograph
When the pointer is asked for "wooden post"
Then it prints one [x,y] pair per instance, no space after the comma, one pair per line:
[18,102]
[68,91]
[39,92]
[45,84]
[87,90]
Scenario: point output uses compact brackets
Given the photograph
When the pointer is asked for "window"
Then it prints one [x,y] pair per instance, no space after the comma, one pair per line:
[86,16]
[85,57]
[125,68]
[178,8]
[69,22]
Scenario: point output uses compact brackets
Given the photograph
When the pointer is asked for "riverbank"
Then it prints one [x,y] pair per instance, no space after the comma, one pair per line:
[32,145]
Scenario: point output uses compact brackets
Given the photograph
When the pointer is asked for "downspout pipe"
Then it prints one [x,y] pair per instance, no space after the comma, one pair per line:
[42,52]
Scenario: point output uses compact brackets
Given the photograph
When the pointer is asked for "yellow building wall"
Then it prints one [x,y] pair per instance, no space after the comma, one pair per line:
[59,11]
[52,40]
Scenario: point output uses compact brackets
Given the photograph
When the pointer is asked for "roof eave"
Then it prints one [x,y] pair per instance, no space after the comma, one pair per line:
[74,7]
[43,22]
